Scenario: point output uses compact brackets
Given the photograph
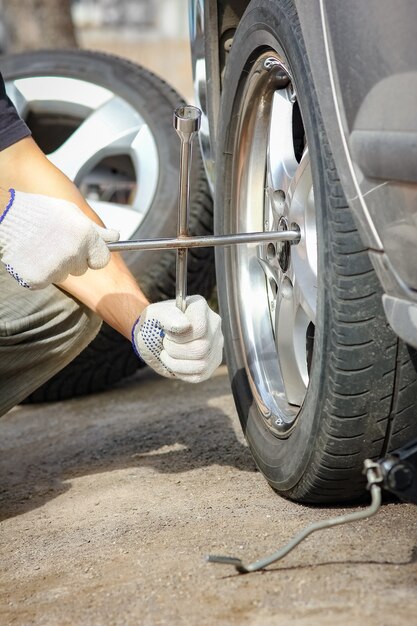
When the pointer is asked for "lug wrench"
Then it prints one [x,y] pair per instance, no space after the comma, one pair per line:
[186,121]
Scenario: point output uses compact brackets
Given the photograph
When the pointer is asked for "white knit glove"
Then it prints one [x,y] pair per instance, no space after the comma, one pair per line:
[44,239]
[180,345]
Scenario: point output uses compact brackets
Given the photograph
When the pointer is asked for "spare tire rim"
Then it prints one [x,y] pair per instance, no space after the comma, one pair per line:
[108,149]
[275,284]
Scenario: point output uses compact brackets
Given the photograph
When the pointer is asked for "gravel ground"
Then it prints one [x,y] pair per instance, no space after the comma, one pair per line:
[110,503]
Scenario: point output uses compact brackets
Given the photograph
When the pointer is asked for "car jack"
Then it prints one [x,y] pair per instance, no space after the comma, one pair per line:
[396,473]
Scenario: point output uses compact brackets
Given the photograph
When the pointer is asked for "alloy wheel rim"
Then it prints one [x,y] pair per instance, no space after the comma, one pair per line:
[275,284]
[109,152]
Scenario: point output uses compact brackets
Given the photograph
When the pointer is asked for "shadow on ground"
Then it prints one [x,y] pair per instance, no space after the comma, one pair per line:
[166,426]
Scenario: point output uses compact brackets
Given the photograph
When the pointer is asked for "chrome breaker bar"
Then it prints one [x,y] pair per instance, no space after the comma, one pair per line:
[206,241]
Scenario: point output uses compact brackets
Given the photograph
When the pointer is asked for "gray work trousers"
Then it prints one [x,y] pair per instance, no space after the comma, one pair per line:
[40,332]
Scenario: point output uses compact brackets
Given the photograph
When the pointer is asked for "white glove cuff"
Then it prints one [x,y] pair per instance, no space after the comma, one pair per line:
[9,204]
[8,267]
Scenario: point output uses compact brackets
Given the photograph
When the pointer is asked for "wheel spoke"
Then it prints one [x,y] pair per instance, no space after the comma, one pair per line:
[270,271]
[290,333]
[281,161]
[304,255]
[17,98]
[122,217]
[305,294]
[145,160]
[61,94]
[301,177]
[268,261]
[110,129]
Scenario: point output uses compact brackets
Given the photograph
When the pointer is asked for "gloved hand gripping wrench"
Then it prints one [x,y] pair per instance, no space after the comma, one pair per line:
[186,121]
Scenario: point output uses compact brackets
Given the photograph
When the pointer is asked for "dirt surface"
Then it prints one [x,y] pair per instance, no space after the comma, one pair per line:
[110,503]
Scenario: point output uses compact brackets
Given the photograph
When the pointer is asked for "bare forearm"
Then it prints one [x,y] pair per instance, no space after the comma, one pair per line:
[111,292]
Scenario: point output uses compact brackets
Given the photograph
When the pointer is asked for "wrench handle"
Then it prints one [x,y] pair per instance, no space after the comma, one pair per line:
[186,122]
[183,220]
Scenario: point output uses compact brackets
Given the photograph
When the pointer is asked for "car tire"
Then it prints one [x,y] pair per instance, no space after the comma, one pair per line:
[320,383]
[110,357]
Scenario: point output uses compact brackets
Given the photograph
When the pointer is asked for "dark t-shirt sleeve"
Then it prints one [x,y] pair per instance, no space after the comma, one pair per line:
[12,127]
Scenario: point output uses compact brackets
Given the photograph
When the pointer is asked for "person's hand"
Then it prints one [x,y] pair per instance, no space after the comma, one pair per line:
[44,239]
[180,345]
